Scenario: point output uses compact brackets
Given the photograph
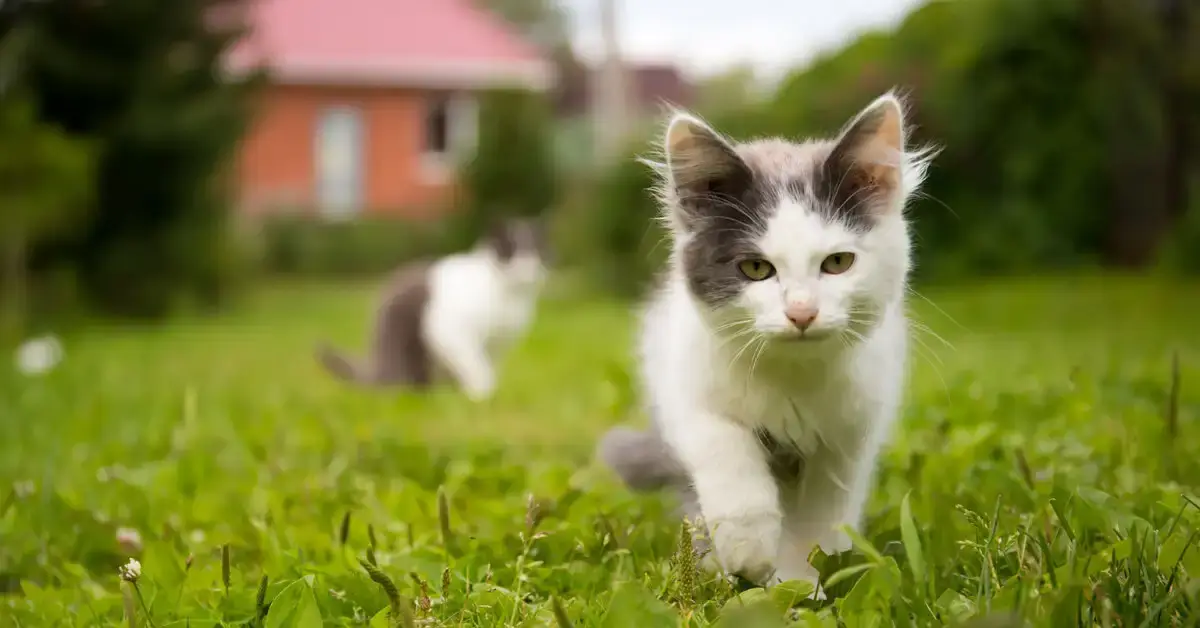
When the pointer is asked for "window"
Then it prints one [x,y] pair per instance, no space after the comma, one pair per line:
[339,136]
[450,130]
[437,126]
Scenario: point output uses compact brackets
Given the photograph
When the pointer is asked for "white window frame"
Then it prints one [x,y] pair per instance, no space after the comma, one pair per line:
[353,206]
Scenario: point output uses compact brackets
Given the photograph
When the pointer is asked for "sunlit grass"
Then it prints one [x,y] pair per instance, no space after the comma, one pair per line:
[1041,470]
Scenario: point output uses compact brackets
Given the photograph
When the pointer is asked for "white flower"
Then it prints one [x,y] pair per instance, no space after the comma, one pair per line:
[38,355]
[131,571]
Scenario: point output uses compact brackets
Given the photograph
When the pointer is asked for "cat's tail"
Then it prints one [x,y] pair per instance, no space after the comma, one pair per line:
[641,459]
[340,366]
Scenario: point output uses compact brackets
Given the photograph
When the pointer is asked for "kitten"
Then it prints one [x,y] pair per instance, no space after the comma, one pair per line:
[455,316]
[773,355]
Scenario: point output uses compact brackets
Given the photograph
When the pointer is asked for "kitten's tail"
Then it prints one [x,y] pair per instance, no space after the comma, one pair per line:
[340,366]
[640,458]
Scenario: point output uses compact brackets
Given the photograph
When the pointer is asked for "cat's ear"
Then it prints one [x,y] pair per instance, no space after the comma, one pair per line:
[703,170]
[869,157]
[499,237]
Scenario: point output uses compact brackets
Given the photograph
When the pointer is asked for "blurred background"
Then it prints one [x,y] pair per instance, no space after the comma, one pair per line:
[193,193]
[165,157]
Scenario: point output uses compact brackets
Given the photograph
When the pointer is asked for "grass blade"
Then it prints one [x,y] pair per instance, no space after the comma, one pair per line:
[401,612]
[344,532]
[912,541]
[225,567]
[560,613]
[260,600]
[443,510]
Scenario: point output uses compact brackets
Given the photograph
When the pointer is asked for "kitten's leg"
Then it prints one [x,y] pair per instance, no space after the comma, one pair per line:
[735,491]
[833,490]
[468,363]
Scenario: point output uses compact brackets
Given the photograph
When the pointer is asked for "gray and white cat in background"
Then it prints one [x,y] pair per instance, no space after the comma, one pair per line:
[455,316]
[773,355]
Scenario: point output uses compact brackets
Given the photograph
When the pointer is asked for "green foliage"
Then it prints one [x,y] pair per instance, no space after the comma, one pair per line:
[305,246]
[44,183]
[144,82]
[1053,118]
[613,230]
[1047,483]
[512,172]
[544,22]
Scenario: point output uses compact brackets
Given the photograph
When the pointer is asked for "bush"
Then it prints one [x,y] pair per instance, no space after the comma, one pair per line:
[611,231]
[158,232]
[513,169]
[301,245]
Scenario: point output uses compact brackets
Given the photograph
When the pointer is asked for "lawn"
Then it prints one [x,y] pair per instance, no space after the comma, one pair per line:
[1039,469]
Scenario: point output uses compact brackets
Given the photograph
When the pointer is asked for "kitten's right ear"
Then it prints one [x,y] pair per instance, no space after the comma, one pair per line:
[703,171]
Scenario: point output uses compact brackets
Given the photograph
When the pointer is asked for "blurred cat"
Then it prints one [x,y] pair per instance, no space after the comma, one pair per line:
[454,316]
[773,355]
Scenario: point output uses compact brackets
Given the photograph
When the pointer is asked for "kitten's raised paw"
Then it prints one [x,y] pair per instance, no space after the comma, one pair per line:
[747,546]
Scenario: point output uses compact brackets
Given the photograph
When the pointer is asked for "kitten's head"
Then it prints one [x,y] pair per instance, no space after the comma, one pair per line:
[519,247]
[799,241]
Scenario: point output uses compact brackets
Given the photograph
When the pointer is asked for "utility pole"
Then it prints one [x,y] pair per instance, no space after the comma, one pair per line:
[609,100]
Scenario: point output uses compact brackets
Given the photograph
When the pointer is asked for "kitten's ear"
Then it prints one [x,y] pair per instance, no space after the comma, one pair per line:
[704,170]
[499,238]
[869,158]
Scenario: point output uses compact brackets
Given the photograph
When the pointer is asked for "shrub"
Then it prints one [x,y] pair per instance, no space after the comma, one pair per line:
[612,231]
[158,232]
[302,245]
[513,169]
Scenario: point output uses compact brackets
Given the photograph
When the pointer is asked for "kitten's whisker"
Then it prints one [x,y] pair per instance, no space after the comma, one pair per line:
[745,346]
[758,354]
[913,291]
[927,195]
[920,327]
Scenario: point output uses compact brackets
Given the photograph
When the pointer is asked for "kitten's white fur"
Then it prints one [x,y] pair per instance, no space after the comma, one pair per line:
[835,398]
[478,307]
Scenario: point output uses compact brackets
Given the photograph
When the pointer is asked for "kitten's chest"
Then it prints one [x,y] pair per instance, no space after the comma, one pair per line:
[798,417]
[510,312]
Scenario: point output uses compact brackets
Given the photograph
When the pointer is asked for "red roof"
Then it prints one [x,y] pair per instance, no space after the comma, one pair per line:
[447,43]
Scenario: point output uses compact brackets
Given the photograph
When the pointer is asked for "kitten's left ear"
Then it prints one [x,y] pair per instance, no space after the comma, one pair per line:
[869,154]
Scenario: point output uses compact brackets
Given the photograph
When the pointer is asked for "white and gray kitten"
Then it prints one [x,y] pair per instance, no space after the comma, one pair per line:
[773,356]
[454,317]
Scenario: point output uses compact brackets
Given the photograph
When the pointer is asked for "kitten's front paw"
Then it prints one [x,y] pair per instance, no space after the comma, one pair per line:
[747,546]
[478,393]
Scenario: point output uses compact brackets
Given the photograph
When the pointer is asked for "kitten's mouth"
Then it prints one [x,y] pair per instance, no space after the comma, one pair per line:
[806,336]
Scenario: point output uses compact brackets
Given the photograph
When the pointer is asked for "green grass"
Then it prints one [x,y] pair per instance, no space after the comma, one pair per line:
[1036,471]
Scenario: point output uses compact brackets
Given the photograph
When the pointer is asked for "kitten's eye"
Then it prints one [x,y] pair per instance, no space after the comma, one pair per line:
[756,269]
[837,263]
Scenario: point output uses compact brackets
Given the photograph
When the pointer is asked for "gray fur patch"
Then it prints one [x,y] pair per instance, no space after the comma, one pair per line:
[398,355]
[508,237]
[725,206]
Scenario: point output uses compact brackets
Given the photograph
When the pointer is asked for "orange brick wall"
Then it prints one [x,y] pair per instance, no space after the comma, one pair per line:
[277,162]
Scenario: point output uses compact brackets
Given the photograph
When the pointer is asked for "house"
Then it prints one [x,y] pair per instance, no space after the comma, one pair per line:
[370,103]
[649,88]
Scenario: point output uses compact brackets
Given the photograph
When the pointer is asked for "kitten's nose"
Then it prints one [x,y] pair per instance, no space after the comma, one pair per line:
[801,314]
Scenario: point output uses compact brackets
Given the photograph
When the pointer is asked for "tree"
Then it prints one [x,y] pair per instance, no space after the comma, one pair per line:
[512,172]
[45,181]
[543,22]
[144,80]
[732,90]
